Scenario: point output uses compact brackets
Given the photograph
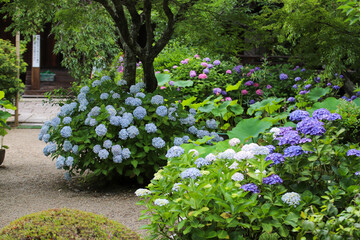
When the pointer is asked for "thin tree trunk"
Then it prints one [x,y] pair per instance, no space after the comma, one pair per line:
[129,67]
[149,74]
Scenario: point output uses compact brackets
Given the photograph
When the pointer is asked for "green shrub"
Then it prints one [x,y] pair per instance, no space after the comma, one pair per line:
[250,191]
[113,132]
[65,224]
[8,70]
[350,112]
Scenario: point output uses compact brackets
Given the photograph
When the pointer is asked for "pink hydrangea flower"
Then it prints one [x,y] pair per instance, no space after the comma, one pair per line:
[259,92]
[162,87]
[228,99]
[157,72]
[204,64]
[244,92]
[228,71]
[202,76]
[192,73]
[171,83]
[256,84]
[174,67]
[166,70]
[222,100]
[196,56]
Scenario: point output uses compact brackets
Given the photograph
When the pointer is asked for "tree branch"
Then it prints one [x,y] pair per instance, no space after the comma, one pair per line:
[149,30]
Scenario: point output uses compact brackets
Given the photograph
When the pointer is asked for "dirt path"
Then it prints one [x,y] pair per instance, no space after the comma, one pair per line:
[29,182]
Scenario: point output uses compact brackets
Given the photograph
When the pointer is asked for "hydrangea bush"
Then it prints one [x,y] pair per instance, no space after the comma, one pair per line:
[111,130]
[235,191]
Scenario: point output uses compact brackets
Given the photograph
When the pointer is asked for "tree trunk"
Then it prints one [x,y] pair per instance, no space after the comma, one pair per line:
[149,74]
[129,67]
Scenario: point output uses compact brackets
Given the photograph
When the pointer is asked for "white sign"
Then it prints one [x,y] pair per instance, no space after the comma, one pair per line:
[36,51]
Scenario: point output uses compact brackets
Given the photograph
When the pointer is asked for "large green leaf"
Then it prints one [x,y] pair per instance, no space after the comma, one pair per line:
[317,93]
[162,78]
[249,128]
[234,87]
[269,105]
[330,104]
[357,101]
[187,83]
[207,108]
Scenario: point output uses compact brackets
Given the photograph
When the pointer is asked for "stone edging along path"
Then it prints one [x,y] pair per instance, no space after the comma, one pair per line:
[29,182]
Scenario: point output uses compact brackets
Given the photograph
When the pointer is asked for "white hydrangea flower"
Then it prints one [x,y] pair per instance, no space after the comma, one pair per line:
[243,155]
[161,202]
[227,154]
[194,152]
[250,147]
[275,131]
[210,157]
[237,176]
[291,198]
[234,165]
[234,141]
[142,192]
[257,171]
[158,176]
[176,187]
[261,150]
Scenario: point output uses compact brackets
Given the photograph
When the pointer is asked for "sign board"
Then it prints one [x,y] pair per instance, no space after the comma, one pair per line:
[36,51]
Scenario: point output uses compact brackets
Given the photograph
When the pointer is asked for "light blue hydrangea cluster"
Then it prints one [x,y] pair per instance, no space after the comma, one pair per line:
[157,100]
[175,151]
[75,149]
[121,82]
[85,89]
[291,198]
[46,138]
[67,146]
[158,142]
[134,89]
[123,134]
[178,141]
[161,111]
[202,162]
[95,111]
[105,78]
[150,128]
[132,131]
[116,150]
[67,120]
[172,114]
[67,109]
[60,162]
[50,148]
[69,161]
[66,132]
[101,130]
[139,113]
[107,144]
[111,110]
[192,111]
[125,153]
[133,101]
[104,96]
[103,154]
[212,124]
[190,173]
[115,120]
[115,96]
[95,83]
[93,122]
[140,95]
[96,148]
[55,122]
[189,120]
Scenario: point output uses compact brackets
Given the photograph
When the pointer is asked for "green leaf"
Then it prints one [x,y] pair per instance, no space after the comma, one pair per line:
[188,101]
[237,109]
[267,227]
[249,128]
[308,225]
[162,78]
[207,108]
[134,163]
[222,234]
[357,101]
[234,87]
[329,103]
[317,93]
[187,83]
[2,94]
[292,219]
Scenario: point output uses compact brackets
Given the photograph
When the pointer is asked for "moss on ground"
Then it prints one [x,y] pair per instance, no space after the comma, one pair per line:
[66,224]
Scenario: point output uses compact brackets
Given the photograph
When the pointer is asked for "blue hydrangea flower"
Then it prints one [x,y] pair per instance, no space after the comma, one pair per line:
[252,101]
[96,148]
[192,111]
[66,132]
[103,154]
[75,149]
[128,116]
[322,114]
[298,115]
[117,159]
[116,150]
[202,133]
[307,86]
[67,120]
[272,179]
[291,99]
[46,138]
[189,120]
[291,198]
[158,142]
[353,152]
[132,131]
[283,76]
[293,151]
[93,122]
[295,86]
[107,144]
[289,137]
[157,100]
[60,162]
[185,139]
[212,124]
[95,83]
[336,87]
[238,68]
[83,106]
[250,187]
[67,146]
[125,153]
[216,62]
[123,134]
[111,110]
[115,120]
[81,97]
[271,148]
[124,122]
[69,161]
[104,96]
[134,89]
[44,129]
[311,126]
[175,151]
[55,122]
[140,95]
[178,141]
[193,130]
[150,128]
[133,101]
[190,173]
[85,89]
[161,111]
[105,78]
[297,79]
[121,82]
[202,162]
[50,148]
[115,96]
[139,112]
[101,130]
[95,111]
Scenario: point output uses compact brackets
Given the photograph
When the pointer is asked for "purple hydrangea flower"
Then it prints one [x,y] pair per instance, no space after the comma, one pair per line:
[272,179]
[297,79]
[322,114]
[303,92]
[335,116]
[283,76]
[353,152]
[206,71]
[277,158]
[238,68]
[207,59]
[290,137]
[271,148]
[311,126]
[217,91]
[293,151]
[298,115]
[192,73]
[252,101]
[250,187]
[295,86]
[307,86]
[291,99]
[249,83]
[336,87]
[216,62]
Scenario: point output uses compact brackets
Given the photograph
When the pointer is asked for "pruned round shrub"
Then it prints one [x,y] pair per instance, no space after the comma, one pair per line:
[111,132]
[66,224]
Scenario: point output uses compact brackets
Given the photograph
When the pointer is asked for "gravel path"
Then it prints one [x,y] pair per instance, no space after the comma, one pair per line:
[29,182]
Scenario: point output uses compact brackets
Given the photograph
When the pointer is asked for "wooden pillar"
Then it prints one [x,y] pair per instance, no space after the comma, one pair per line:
[35,71]
[18,76]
